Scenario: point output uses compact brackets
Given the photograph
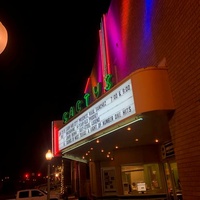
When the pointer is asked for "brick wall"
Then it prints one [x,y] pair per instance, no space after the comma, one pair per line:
[173,40]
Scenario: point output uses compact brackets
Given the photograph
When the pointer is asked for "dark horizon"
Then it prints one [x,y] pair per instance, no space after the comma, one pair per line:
[43,71]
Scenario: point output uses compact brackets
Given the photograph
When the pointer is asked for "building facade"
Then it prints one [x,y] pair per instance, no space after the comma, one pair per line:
[148,51]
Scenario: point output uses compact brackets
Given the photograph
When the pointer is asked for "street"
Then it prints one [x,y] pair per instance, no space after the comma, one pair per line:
[7,197]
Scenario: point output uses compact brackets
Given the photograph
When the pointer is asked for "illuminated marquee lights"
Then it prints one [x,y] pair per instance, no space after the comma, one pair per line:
[116,106]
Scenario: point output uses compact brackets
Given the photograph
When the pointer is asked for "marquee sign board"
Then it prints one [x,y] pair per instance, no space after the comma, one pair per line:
[116,106]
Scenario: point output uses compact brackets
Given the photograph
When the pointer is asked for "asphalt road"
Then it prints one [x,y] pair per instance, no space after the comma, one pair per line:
[7,197]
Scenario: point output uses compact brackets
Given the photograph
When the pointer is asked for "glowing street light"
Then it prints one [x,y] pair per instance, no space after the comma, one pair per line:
[3,37]
[49,156]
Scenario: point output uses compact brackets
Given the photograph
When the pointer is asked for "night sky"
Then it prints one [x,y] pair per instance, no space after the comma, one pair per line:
[43,71]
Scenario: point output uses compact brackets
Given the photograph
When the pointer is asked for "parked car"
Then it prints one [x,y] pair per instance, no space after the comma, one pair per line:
[54,189]
[35,194]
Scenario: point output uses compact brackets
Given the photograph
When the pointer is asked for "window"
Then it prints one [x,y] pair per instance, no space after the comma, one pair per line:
[24,194]
[36,193]
[142,178]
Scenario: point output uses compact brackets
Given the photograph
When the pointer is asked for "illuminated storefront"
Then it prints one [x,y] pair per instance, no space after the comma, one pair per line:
[122,129]
[130,135]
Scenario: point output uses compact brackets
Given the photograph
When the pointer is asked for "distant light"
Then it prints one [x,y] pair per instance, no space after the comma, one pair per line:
[27,175]
[39,174]
[3,37]
[49,155]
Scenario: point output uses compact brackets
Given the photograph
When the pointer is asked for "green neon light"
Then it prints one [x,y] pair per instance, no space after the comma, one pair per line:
[109,83]
[80,104]
[87,99]
[97,90]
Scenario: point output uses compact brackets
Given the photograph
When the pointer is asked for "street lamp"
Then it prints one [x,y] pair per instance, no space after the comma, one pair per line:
[48,157]
[3,37]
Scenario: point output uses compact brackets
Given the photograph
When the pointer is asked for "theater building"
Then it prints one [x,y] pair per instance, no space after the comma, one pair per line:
[135,132]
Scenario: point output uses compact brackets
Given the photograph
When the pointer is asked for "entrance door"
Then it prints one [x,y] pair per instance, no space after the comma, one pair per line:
[172,179]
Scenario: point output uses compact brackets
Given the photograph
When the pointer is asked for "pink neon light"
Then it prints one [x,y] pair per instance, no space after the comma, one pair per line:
[87,85]
[106,45]
[55,134]
[101,46]
[55,137]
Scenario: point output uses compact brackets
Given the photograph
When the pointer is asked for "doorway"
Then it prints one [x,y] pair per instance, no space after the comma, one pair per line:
[172,180]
